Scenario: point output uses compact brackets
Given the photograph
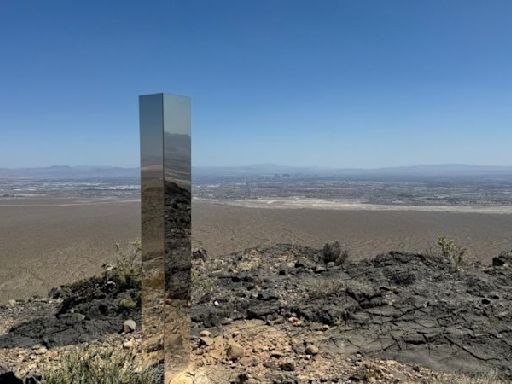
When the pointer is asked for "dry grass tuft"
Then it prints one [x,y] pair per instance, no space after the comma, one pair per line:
[95,366]
[452,251]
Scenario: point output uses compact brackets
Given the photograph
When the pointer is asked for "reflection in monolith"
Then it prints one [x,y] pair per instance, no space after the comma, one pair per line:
[166,227]
[177,169]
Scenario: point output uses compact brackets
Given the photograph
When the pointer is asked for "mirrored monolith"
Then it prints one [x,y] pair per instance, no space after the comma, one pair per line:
[166,229]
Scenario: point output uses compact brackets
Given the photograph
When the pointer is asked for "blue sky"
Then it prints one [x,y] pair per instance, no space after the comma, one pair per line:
[329,83]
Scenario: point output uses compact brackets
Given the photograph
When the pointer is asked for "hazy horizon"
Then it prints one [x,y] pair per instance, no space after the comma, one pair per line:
[407,165]
[262,168]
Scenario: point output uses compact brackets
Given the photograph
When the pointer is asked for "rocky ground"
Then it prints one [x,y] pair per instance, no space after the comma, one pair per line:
[292,314]
[407,307]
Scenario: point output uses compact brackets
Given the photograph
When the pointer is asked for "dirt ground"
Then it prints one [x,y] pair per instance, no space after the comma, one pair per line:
[221,229]
[48,243]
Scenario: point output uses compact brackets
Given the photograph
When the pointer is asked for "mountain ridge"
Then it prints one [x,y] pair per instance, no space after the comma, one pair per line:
[264,169]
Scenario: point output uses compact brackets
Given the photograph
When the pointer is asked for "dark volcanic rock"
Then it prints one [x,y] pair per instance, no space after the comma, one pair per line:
[199,254]
[261,311]
[504,258]
[89,309]
[8,377]
[409,307]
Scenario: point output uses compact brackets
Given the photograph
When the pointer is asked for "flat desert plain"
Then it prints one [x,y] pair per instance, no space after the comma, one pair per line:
[221,228]
[47,243]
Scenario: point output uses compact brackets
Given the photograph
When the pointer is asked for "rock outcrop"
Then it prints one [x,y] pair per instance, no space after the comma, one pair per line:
[286,314]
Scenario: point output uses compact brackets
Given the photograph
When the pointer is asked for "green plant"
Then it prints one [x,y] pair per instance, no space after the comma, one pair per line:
[126,303]
[95,366]
[452,251]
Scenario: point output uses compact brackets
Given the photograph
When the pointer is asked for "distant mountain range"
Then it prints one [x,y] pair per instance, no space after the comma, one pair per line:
[446,170]
[68,172]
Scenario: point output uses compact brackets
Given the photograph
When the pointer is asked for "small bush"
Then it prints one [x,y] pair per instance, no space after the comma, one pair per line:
[126,303]
[199,281]
[93,366]
[127,267]
[129,261]
[327,288]
[332,253]
[452,251]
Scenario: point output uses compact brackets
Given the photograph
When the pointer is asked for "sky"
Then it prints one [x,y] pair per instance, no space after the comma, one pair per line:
[331,83]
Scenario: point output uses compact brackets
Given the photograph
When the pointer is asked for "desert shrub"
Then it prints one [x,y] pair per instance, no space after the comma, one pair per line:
[127,267]
[333,253]
[199,281]
[327,288]
[126,303]
[94,366]
[128,261]
[452,251]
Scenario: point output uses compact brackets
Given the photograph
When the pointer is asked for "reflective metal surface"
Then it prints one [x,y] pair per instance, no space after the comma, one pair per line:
[153,289]
[166,229]
[177,178]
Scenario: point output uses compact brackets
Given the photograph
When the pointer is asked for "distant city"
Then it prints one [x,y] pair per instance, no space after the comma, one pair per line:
[440,185]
